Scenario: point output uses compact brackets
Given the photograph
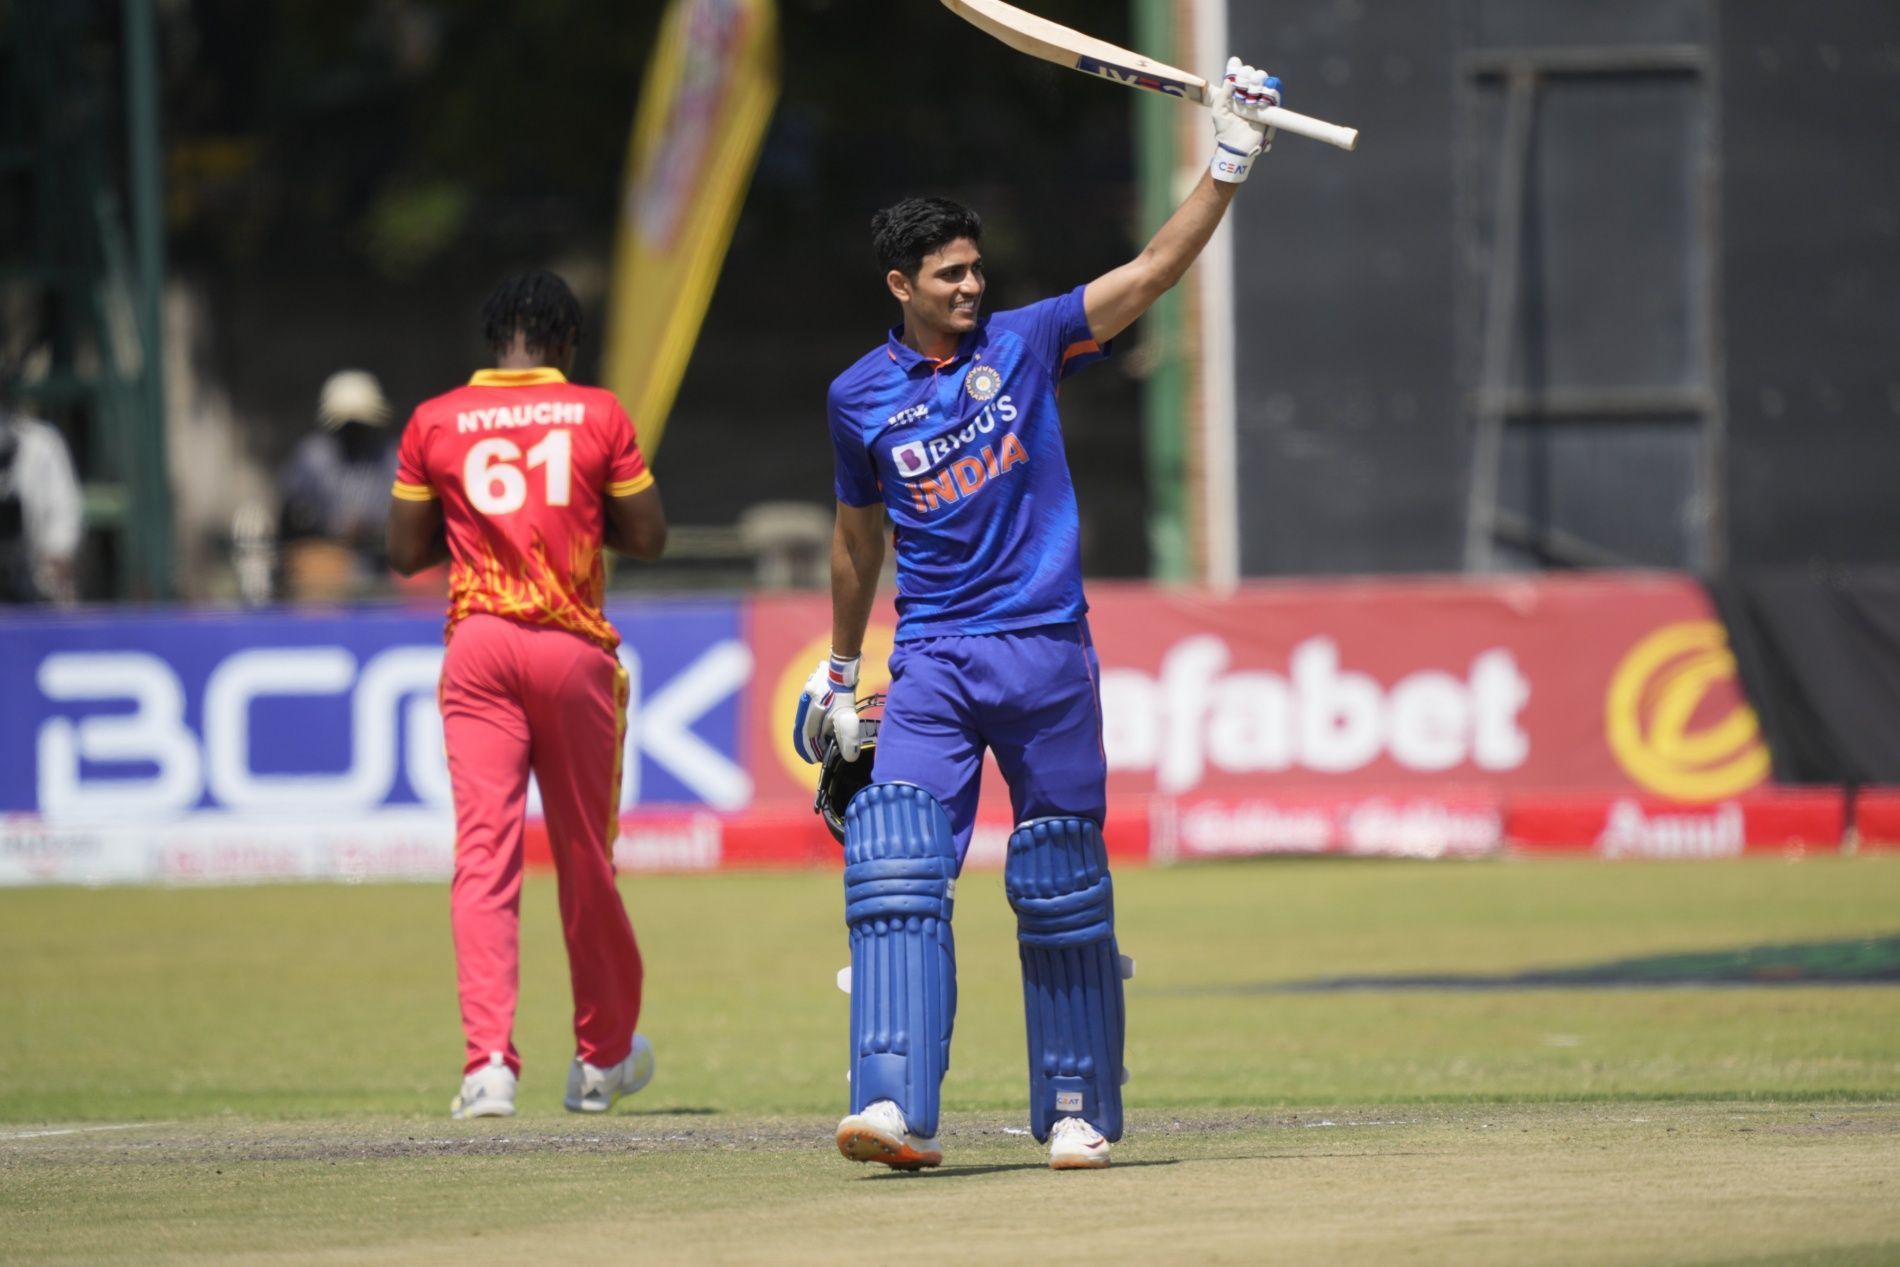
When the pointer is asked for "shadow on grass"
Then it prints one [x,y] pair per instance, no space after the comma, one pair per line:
[964,1172]
[692,1111]
[1860,961]
[950,1172]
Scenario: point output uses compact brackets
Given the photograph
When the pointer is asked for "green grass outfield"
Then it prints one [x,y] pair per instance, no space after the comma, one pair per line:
[244,1075]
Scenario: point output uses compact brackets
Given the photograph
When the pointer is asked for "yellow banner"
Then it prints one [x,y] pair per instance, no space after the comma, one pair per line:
[709,92]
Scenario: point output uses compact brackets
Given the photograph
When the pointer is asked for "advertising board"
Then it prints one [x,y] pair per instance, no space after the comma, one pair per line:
[1407,717]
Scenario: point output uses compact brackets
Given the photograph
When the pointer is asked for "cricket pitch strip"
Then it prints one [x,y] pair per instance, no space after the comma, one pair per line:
[1625,1182]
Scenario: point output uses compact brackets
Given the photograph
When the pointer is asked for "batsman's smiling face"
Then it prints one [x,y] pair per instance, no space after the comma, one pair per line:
[947,293]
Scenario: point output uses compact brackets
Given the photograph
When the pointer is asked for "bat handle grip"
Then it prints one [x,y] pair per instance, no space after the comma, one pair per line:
[1311,128]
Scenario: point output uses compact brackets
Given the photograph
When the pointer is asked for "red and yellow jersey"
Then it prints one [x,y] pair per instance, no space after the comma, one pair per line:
[523,462]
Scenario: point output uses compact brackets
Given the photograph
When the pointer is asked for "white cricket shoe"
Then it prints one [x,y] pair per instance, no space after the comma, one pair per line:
[881,1134]
[591,1089]
[1075,1145]
[488,1092]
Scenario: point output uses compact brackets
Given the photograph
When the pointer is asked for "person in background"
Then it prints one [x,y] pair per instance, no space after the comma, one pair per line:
[335,490]
[41,513]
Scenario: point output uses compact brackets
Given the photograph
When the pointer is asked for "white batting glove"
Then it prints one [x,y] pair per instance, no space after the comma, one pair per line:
[828,705]
[1241,132]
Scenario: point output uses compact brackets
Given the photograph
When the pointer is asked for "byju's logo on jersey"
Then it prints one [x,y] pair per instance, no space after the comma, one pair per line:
[983,382]
[911,459]
[915,457]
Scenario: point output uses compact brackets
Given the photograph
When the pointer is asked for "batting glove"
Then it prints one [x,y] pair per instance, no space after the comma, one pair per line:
[828,705]
[1241,132]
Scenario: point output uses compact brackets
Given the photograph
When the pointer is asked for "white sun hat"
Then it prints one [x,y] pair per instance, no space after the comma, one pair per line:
[352,396]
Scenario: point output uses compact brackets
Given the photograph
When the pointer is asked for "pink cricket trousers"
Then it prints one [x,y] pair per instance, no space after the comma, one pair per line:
[517,698]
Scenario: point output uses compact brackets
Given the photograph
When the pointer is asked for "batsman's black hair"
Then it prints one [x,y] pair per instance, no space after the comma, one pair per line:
[540,305]
[915,227]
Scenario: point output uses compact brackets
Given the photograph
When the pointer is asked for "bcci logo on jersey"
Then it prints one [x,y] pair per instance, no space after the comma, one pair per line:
[983,382]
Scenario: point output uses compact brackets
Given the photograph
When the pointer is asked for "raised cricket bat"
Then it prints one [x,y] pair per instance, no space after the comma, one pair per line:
[1052,42]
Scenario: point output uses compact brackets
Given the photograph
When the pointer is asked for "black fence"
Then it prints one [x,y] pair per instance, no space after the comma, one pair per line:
[1605,284]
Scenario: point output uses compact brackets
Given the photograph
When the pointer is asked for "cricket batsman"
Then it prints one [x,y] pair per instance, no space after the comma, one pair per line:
[950,426]
[519,480]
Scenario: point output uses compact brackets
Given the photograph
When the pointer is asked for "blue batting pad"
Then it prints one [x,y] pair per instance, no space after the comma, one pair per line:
[1058,883]
[899,881]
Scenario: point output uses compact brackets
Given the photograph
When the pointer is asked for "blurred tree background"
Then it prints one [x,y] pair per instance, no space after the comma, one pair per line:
[345,180]
[1697,372]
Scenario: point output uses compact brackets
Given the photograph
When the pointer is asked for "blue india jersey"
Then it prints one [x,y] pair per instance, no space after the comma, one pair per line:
[966,454]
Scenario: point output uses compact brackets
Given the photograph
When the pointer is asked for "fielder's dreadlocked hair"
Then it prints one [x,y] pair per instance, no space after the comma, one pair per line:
[538,304]
[915,227]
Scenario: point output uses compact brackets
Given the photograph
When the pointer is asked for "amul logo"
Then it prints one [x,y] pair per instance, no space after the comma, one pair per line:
[1675,719]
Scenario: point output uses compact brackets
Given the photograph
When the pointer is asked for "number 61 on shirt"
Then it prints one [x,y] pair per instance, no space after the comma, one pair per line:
[496,486]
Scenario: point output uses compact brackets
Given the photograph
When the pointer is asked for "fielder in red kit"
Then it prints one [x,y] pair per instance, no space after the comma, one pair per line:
[519,481]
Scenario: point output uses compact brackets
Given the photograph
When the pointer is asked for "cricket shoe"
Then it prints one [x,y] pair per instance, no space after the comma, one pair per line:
[881,1134]
[1075,1145]
[591,1089]
[488,1092]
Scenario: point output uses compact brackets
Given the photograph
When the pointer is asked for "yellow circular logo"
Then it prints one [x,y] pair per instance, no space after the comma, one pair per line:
[983,382]
[874,676]
[1651,717]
